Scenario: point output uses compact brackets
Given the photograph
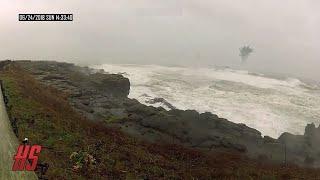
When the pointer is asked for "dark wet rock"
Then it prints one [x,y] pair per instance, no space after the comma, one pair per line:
[162,101]
[54,77]
[110,84]
[268,139]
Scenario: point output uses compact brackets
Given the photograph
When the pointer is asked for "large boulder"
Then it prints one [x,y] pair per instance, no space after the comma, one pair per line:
[110,84]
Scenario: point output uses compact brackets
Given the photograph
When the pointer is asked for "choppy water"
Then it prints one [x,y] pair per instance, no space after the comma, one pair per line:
[270,105]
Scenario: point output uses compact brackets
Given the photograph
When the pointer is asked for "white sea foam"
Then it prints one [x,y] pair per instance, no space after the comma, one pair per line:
[270,105]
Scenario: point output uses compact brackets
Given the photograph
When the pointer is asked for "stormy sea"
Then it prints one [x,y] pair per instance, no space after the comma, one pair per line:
[269,104]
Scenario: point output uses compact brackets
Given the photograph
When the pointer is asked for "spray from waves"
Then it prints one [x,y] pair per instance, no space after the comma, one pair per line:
[268,104]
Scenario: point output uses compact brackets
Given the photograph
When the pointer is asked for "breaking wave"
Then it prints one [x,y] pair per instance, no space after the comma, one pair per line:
[271,105]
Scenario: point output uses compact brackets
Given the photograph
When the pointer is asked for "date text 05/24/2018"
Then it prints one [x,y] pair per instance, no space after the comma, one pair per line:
[45,17]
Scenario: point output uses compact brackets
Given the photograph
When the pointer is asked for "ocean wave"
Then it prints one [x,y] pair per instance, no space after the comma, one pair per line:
[271,105]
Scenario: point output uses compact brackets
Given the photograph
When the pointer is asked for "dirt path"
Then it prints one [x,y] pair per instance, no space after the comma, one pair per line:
[8,147]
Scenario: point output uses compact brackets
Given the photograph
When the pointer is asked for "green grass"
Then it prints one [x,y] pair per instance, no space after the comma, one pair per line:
[112,119]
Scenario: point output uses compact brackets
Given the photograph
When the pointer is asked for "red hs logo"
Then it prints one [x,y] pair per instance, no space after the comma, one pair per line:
[26,158]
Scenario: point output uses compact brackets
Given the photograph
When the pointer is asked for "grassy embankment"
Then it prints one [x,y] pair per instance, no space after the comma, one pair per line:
[45,117]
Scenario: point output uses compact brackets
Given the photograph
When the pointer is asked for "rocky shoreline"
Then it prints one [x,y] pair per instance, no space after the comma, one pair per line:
[100,96]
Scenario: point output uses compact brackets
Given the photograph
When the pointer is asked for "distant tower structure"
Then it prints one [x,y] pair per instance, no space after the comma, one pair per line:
[245,52]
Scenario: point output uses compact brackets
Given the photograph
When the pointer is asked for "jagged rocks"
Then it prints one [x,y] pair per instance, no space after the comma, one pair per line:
[161,101]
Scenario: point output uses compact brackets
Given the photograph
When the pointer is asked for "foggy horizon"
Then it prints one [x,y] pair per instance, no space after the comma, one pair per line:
[188,33]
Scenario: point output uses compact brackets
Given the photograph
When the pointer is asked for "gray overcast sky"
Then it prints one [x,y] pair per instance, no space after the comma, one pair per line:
[284,33]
